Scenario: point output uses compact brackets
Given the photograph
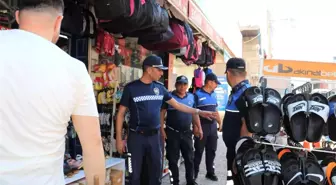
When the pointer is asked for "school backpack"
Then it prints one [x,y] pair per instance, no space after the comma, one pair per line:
[156,37]
[202,56]
[113,9]
[192,52]
[155,21]
[199,77]
[179,40]
[145,17]
[210,55]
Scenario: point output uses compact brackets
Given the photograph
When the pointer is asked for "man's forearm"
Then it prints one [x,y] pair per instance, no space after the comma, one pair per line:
[218,119]
[186,109]
[162,117]
[119,125]
[94,164]
[196,121]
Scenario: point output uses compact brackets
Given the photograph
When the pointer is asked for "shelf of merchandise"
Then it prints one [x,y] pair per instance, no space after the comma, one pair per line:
[114,163]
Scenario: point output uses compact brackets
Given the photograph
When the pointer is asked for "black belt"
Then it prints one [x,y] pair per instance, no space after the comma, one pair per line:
[179,131]
[150,132]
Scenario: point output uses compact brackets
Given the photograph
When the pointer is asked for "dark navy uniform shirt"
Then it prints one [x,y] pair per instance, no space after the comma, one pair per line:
[207,102]
[144,102]
[232,120]
[176,119]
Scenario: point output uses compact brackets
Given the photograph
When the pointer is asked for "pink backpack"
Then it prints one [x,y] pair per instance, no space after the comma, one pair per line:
[199,77]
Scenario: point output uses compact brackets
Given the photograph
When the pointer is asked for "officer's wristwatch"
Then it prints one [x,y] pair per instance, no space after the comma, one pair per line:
[198,111]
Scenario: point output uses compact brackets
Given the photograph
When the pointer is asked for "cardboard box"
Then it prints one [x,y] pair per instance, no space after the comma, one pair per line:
[116,177]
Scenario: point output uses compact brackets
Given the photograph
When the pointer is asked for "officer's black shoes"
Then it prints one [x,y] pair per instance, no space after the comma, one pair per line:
[196,175]
[192,183]
[212,177]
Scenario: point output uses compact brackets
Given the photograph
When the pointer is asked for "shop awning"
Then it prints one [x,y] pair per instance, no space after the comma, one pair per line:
[196,18]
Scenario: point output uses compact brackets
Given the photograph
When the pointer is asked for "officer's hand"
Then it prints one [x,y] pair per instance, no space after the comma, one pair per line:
[163,134]
[208,115]
[120,146]
[220,128]
[200,133]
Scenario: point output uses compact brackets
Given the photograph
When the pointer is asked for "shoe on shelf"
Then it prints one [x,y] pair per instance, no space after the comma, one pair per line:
[212,177]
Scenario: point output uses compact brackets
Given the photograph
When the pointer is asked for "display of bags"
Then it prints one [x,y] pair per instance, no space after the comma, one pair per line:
[179,40]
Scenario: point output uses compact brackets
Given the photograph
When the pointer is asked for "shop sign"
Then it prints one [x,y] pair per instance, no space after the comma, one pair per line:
[222,93]
[182,5]
[304,69]
[199,19]
[195,14]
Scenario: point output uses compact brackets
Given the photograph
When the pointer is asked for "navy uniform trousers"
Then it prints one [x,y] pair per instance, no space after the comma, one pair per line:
[180,141]
[209,142]
[145,146]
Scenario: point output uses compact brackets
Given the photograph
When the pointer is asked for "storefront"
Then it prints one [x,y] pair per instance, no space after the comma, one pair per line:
[112,62]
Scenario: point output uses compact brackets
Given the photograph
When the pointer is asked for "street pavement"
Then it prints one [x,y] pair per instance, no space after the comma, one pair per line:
[220,166]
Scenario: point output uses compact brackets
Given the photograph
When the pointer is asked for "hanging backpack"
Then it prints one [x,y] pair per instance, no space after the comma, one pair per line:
[120,24]
[179,52]
[156,37]
[179,40]
[74,19]
[202,57]
[209,55]
[113,9]
[155,21]
[192,52]
[147,17]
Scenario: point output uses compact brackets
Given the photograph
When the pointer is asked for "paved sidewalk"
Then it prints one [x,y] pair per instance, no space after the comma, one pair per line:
[220,165]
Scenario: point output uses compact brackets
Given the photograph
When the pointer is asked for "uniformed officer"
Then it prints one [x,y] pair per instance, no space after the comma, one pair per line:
[144,98]
[205,99]
[233,123]
[178,132]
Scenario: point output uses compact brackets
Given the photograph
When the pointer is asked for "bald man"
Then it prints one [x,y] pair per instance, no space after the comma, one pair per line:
[41,88]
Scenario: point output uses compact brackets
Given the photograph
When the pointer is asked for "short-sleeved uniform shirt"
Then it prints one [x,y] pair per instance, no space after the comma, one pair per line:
[176,119]
[144,102]
[207,102]
[232,119]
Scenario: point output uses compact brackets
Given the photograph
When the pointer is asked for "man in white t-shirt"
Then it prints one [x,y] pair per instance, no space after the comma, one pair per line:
[41,87]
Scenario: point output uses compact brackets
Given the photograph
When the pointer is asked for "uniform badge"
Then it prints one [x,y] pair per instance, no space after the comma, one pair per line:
[156,91]
[189,102]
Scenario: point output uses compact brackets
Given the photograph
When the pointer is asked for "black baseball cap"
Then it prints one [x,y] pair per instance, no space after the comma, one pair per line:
[236,63]
[154,61]
[182,79]
[212,77]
